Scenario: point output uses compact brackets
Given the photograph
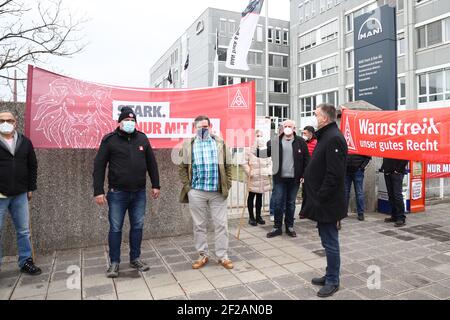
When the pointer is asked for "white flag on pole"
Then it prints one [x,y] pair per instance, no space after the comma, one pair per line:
[242,39]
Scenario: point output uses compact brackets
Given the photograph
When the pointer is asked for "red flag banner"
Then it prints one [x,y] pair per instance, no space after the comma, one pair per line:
[419,135]
[63,112]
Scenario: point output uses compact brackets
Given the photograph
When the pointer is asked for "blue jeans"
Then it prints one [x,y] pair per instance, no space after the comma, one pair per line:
[284,194]
[18,208]
[119,202]
[357,178]
[329,236]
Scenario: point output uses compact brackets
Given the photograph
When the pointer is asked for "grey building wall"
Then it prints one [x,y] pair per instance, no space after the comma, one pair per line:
[201,56]
[63,212]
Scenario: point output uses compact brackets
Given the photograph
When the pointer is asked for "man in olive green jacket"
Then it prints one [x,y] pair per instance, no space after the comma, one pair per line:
[205,173]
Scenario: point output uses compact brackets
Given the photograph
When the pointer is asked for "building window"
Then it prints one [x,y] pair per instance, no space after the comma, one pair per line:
[308,72]
[350,94]
[259,33]
[329,66]
[307,106]
[350,59]
[434,86]
[278,86]
[222,53]
[286,37]
[323,5]
[308,40]
[270,35]
[278,61]
[329,31]
[401,44]
[330,97]
[277,36]
[224,80]
[301,13]
[254,58]
[281,112]
[401,91]
[400,5]
[349,18]
[223,26]
[433,33]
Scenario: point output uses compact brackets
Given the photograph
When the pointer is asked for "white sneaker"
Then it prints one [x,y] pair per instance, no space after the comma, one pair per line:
[272,218]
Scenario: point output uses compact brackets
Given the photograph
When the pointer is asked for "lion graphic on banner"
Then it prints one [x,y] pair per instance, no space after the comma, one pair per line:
[73,114]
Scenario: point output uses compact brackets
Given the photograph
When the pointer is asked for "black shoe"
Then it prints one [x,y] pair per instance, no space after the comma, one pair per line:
[388,220]
[361,217]
[327,290]
[140,265]
[275,232]
[30,268]
[318,281]
[260,221]
[399,223]
[291,232]
[252,222]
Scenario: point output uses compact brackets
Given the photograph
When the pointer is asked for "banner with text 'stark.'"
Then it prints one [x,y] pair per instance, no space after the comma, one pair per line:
[63,112]
[419,135]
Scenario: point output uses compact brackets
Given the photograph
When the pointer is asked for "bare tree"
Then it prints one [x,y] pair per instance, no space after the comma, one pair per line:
[30,31]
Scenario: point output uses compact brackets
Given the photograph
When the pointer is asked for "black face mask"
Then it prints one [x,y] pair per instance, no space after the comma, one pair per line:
[203,133]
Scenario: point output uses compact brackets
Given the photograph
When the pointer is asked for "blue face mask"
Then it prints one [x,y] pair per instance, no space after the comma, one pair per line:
[203,133]
[128,126]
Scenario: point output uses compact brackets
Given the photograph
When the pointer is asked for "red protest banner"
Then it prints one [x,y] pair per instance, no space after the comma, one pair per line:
[419,135]
[437,170]
[63,112]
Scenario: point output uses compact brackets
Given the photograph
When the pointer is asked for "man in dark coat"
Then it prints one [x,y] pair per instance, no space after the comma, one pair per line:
[325,190]
[394,172]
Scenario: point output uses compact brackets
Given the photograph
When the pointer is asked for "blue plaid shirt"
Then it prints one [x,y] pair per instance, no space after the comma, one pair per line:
[205,165]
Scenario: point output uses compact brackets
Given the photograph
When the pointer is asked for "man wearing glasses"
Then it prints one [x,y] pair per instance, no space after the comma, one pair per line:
[18,175]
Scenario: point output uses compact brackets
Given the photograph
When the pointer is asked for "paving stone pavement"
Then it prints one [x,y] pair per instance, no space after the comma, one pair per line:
[413,261]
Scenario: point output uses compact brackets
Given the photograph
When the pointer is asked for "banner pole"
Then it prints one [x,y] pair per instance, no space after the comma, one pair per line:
[267,57]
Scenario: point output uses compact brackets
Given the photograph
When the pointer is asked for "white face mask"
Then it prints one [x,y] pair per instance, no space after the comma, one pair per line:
[305,138]
[260,141]
[288,131]
[6,128]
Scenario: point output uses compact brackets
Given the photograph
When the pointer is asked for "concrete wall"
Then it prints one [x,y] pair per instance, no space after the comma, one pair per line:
[63,212]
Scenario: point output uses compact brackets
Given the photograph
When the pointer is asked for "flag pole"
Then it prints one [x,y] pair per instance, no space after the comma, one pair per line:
[267,57]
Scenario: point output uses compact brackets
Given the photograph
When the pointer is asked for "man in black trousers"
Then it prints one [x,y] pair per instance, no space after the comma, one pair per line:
[394,170]
[325,191]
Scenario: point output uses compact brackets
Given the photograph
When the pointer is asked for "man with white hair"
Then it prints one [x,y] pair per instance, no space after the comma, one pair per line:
[290,157]
[18,176]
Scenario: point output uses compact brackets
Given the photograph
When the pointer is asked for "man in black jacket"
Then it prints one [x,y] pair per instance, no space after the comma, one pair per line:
[290,157]
[18,175]
[129,156]
[356,164]
[325,191]
[394,171]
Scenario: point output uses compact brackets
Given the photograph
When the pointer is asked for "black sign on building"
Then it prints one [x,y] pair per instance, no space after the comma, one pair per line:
[375,35]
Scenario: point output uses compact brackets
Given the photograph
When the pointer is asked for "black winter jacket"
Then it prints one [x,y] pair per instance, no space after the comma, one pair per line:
[394,166]
[325,177]
[18,173]
[130,157]
[300,154]
[357,162]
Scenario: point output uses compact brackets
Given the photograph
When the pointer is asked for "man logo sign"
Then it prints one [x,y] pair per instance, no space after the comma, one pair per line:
[370,28]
